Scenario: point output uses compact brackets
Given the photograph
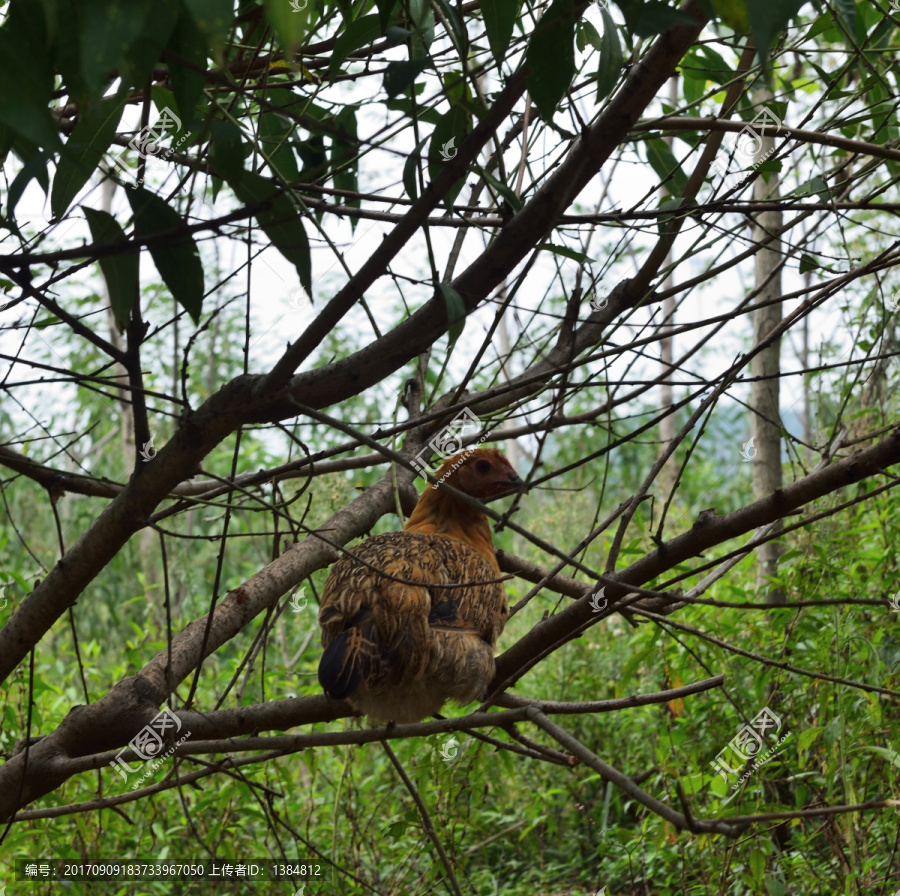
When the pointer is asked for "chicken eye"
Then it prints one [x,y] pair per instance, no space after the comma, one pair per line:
[483,466]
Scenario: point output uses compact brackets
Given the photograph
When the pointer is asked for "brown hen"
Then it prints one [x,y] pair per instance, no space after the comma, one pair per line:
[410,619]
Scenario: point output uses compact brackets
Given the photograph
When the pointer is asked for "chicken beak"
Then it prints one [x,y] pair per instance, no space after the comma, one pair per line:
[508,486]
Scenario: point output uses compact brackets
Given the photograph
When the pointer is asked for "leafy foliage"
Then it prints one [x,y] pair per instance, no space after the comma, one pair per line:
[361,150]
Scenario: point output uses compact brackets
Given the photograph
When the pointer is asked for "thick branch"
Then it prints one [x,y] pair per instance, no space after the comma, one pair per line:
[132,703]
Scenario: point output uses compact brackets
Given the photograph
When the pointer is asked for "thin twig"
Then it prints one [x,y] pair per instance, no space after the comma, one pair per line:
[426,818]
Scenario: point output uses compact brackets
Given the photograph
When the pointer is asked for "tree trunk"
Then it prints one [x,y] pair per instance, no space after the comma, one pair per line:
[765,367]
[667,476]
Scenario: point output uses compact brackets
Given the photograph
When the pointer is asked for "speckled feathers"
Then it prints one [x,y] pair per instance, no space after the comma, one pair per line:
[410,619]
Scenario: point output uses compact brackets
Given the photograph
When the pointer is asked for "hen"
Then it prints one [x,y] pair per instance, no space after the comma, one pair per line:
[410,619]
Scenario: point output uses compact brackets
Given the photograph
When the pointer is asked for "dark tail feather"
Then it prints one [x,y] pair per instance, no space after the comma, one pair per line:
[339,672]
[358,655]
[351,657]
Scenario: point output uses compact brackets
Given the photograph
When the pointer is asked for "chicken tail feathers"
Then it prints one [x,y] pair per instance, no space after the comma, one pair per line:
[339,667]
[351,658]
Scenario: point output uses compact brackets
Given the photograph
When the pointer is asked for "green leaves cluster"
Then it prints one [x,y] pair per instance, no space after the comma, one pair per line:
[70,72]
[72,76]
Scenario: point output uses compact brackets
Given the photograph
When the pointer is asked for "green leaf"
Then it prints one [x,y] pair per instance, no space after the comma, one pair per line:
[404,104]
[670,208]
[359,33]
[700,65]
[456,311]
[281,222]
[499,21]
[395,830]
[89,140]
[757,864]
[807,736]
[734,14]
[108,28]
[657,17]
[144,53]
[808,263]
[892,756]
[446,137]
[456,92]
[610,67]
[769,19]
[120,271]
[164,100]
[666,166]
[345,157]
[226,151]
[550,57]
[770,166]
[68,54]
[716,68]
[315,159]
[776,108]
[274,133]
[51,18]
[213,19]
[187,83]
[410,171]
[176,258]
[289,23]
[399,76]
[846,10]
[515,203]
[26,76]
[818,186]
[586,34]
[385,10]
[451,16]
[820,26]
[397,34]
[422,17]
[694,88]
[566,252]
[718,786]
[631,666]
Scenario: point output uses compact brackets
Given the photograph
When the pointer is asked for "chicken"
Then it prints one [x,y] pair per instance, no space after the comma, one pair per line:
[410,619]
